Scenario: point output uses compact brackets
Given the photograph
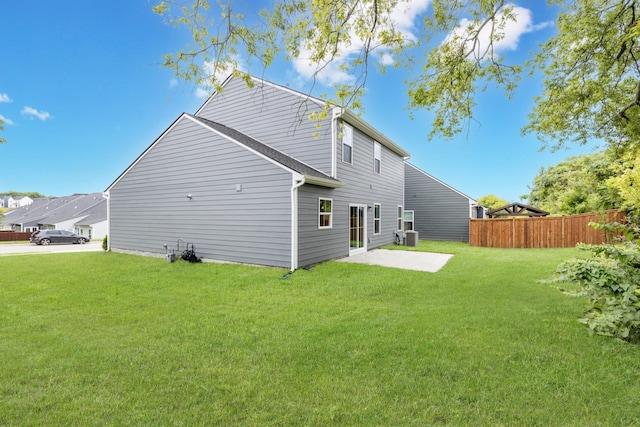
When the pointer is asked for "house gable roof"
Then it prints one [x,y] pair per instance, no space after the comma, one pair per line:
[94,214]
[440,182]
[54,210]
[260,81]
[312,175]
[75,207]
[342,112]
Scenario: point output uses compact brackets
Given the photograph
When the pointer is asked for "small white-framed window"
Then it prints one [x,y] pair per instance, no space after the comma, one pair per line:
[325,213]
[377,218]
[347,143]
[400,218]
[377,157]
[408,220]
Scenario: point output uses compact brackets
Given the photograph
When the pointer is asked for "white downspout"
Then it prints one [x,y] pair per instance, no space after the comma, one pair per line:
[107,195]
[334,141]
[294,222]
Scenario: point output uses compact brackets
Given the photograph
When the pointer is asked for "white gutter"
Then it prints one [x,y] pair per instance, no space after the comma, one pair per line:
[298,182]
[369,130]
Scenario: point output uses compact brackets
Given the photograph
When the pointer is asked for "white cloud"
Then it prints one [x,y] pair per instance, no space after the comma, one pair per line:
[6,120]
[4,97]
[387,59]
[173,83]
[405,13]
[509,36]
[202,93]
[403,17]
[42,115]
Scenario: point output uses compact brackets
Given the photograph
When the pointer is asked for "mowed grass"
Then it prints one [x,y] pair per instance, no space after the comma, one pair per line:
[114,339]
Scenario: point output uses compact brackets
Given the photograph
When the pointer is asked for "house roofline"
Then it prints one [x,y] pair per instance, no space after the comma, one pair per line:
[343,112]
[312,179]
[144,153]
[355,120]
[441,182]
[262,81]
[329,183]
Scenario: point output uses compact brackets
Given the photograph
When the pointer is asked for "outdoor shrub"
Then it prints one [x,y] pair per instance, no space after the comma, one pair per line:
[104,243]
[611,281]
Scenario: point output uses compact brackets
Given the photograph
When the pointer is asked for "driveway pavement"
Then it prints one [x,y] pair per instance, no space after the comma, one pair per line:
[28,248]
[407,260]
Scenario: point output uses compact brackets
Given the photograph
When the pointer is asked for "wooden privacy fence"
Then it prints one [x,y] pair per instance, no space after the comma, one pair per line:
[13,236]
[546,232]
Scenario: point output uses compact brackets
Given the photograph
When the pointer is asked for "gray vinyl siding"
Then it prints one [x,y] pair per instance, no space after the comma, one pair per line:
[441,213]
[275,117]
[362,186]
[316,244]
[149,207]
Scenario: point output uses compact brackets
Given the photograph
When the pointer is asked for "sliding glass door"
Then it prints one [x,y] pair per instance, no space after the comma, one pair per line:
[357,229]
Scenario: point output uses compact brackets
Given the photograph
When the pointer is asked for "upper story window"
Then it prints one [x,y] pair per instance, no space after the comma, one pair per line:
[325,213]
[377,157]
[347,143]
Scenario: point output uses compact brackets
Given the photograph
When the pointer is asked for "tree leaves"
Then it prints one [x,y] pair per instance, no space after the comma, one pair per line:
[592,74]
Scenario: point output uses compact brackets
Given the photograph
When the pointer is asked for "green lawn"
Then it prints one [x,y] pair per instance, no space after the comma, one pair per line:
[113,339]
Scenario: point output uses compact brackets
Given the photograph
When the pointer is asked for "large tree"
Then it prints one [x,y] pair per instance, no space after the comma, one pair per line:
[491,201]
[577,185]
[591,67]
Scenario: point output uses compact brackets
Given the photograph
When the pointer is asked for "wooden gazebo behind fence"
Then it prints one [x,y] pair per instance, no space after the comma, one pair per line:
[516,209]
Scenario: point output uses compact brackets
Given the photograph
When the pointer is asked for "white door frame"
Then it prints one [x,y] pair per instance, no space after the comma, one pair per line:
[361,230]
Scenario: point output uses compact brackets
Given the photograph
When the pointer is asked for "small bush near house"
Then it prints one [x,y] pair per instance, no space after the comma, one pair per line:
[105,243]
[611,281]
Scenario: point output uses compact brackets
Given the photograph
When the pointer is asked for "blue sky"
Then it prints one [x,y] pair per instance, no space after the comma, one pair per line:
[82,94]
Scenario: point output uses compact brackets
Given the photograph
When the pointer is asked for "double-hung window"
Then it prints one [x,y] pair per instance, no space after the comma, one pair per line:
[400,218]
[377,157]
[325,213]
[377,218]
[347,143]
[408,220]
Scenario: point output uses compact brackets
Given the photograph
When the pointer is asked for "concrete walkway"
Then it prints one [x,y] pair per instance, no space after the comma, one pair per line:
[407,260]
[28,248]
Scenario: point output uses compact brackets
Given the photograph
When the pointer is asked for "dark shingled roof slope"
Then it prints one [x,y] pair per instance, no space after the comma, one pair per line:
[267,151]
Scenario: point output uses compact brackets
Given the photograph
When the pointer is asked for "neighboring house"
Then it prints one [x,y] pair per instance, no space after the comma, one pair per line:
[13,202]
[249,178]
[438,211]
[71,213]
[95,224]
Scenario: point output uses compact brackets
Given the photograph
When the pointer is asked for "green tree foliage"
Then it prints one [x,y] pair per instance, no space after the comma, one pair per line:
[627,179]
[491,201]
[2,140]
[577,185]
[592,75]
[32,194]
[591,65]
